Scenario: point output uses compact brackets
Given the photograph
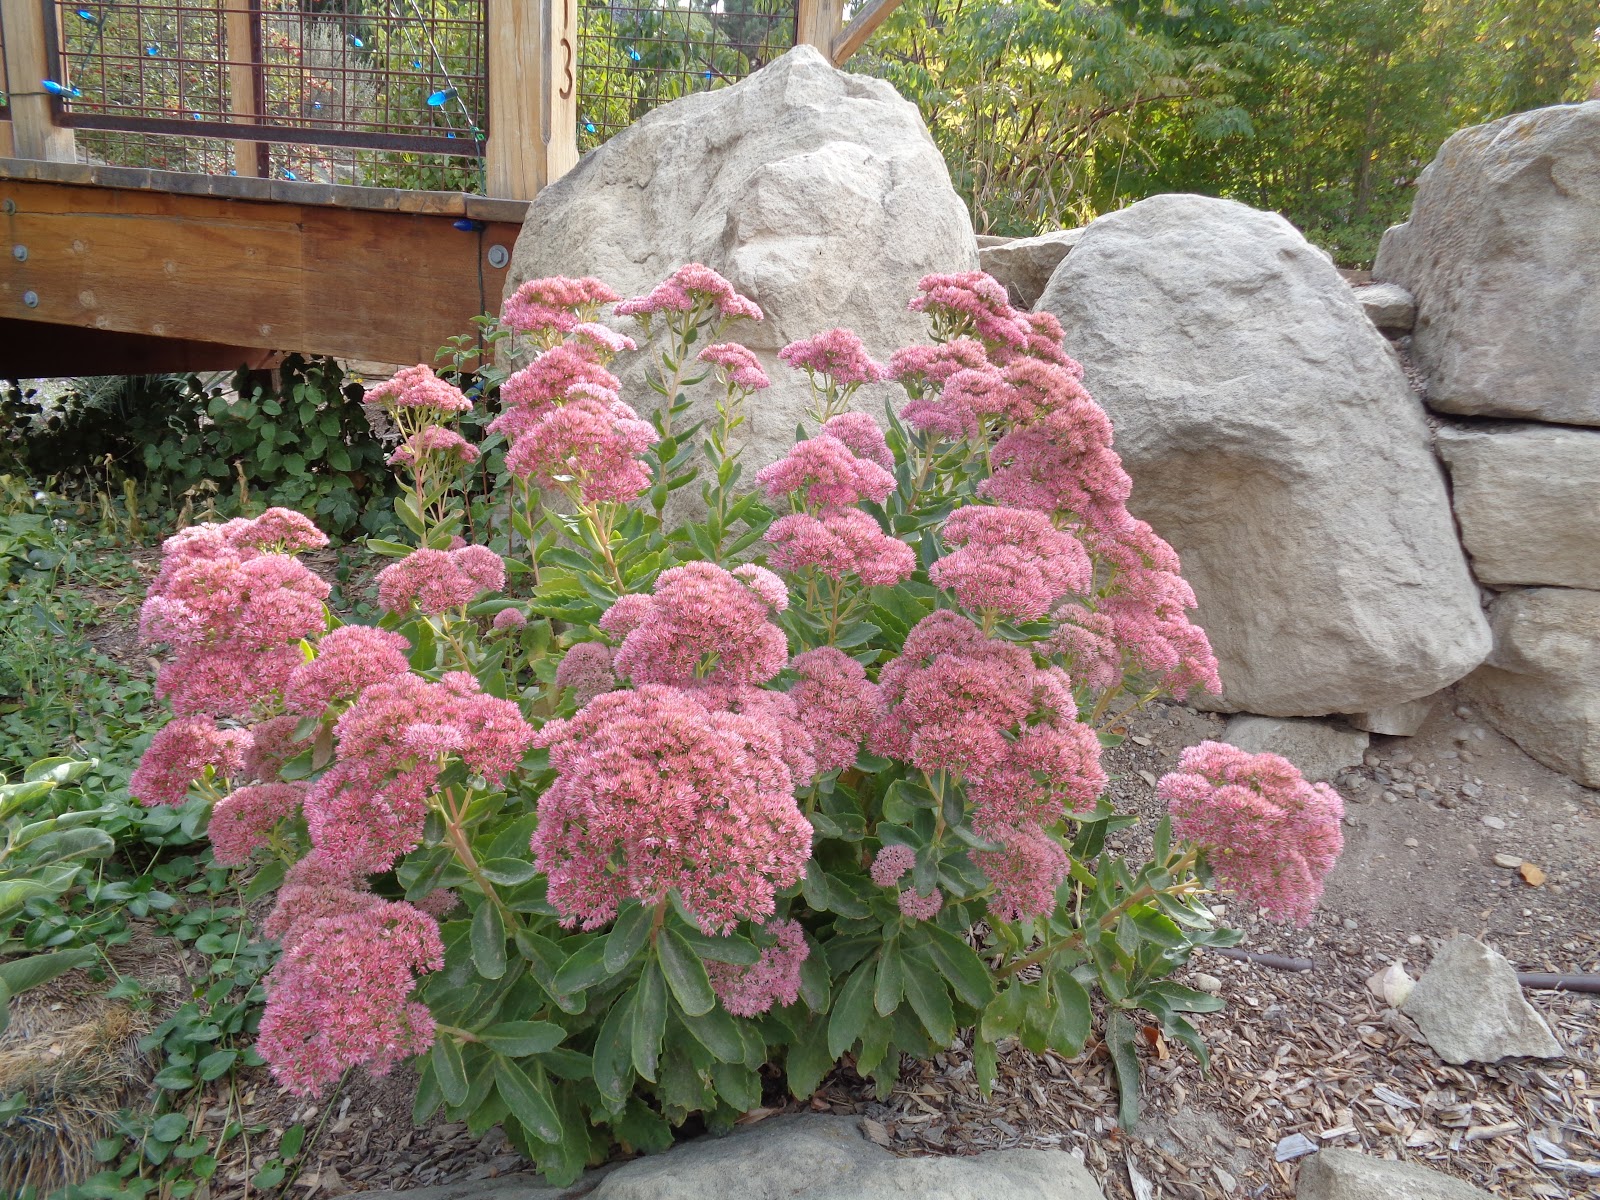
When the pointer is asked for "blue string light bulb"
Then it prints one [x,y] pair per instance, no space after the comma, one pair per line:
[442,97]
[57,89]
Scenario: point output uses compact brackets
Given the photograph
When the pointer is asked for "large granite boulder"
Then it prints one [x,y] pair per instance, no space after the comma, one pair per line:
[818,193]
[1528,500]
[1541,685]
[1273,440]
[1502,252]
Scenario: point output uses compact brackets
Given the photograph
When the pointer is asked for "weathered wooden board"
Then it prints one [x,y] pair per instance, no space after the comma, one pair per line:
[382,286]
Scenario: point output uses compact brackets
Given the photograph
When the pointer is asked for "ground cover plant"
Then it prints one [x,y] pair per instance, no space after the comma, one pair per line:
[616,822]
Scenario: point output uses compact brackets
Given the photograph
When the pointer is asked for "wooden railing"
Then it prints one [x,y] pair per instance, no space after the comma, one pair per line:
[530,72]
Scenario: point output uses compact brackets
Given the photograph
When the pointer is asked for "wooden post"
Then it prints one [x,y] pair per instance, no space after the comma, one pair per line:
[533,95]
[33,129]
[863,24]
[242,100]
[817,23]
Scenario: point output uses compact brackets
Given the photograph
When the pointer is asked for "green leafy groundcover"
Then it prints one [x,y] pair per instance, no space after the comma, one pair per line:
[614,827]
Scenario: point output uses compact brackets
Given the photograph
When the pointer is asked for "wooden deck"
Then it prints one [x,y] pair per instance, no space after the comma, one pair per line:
[227,268]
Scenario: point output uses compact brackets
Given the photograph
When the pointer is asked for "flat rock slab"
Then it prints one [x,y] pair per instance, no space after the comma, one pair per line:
[1346,1175]
[1388,305]
[799,1157]
[1502,252]
[1274,442]
[1395,720]
[1320,749]
[1470,1008]
[1024,265]
[1541,684]
[1528,501]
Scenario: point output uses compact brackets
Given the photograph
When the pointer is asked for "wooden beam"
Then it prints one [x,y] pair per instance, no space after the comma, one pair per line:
[242,85]
[817,23]
[385,286]
[33,129]
[533,95]
[862,26]
[34,350]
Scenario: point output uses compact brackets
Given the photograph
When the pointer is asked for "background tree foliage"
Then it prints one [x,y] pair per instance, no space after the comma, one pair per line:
[1050,113]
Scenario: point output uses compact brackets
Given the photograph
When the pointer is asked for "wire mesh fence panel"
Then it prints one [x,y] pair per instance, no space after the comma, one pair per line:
[636,55]
[380,92]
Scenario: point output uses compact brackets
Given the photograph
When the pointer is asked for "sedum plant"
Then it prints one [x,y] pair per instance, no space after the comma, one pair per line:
[616,821]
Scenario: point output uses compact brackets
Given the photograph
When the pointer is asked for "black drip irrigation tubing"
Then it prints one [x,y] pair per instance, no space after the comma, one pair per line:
[1539,980]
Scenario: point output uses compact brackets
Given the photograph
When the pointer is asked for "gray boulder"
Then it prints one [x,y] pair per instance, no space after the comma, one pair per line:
[1470,1008]
[1541,685]
[1319,748]
[1024,265]
[1345,1175]
[1502,252]
[827,1158]
[1388,306]
[818,193]
[1528,501]
[1273,440]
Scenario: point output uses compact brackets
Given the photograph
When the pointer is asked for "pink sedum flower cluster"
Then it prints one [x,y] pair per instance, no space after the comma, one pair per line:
[242,821]
[823,472]
[434,440]
[586,669]
[773,979]
[841,542]
[180,753]
[555,306]
[738,366]
[418,388]
[1269,835]
[836,704]
[690,289]
[348,659]
[838,356]
[654,791]
[1011,562]
[437,581]
[890,863]
[340,995]
[702,623]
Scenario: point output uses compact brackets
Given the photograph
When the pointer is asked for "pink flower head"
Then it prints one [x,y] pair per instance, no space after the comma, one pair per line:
[981,391]
[688,289]
[418,387]
[434,440]
[1044,334]
[348,659]
[703,623]
[551,378]
[180,753]
[776,711]
[314,888]
[509,618]
[278,531]
[341,996]
[1269,835]
[557,305]
[1087,641]
[953,696]
[773,979]
[929,368]
[1039,388]
[653,792]
[363,822]
[1063,464]
[240,603]
[971,302]
[437,581]
[824,472]
[838,355]
[625,615]
[1147,604]
[1010,561]
[842,541]
[224,682]
[738,366]
[601,341]
[243,820]
[890,863]
[1025,873]
[588,445]
[272,743]
[919,907]
[764,584]
[586,669]
[835,703]
[861,434]
[1051,767]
